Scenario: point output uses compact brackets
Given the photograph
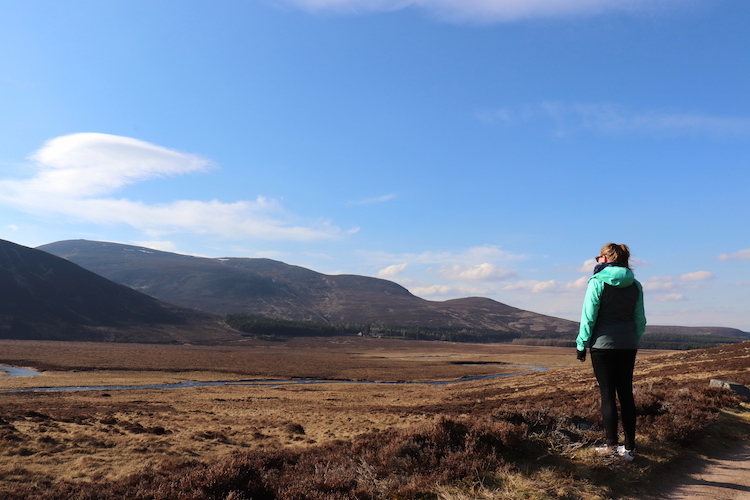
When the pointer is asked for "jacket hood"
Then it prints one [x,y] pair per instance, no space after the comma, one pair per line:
[615,276]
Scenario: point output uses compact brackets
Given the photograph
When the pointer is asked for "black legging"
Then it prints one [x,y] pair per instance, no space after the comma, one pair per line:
[614,372]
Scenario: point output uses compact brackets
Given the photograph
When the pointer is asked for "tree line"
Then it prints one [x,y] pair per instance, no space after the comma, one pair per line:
[276,328]
[261,326]
[666,341]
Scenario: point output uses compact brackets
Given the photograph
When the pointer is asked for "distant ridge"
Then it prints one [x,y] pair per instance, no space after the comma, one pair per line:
[275,289]
[45,297]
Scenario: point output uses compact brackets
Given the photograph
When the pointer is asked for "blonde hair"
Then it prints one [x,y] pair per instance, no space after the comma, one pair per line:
[619,254]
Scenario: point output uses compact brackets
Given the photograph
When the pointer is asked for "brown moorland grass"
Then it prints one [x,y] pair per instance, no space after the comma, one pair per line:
[522,436]
[345,358]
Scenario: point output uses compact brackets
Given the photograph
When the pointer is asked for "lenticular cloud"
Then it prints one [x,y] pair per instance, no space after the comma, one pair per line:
[484,10]
[89,164]
[75,176]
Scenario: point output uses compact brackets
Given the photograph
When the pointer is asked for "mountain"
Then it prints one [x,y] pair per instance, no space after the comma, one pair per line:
[275,289]
[46,297]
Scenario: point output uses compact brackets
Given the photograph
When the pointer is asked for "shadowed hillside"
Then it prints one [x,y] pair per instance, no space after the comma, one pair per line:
[46,297]
[275,289]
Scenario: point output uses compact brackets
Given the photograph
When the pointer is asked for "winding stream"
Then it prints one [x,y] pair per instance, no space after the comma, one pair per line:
[24,372]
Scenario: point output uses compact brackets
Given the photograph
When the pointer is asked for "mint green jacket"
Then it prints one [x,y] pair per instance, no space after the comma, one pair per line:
[609,333]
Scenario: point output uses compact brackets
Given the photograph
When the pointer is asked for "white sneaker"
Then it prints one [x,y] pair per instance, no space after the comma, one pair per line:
[603,450]
[628,455]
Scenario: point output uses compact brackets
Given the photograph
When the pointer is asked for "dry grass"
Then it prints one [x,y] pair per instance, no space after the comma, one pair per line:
[347,358]
[101,436]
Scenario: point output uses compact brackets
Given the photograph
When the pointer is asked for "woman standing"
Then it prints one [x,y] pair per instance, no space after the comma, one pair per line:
[612,324]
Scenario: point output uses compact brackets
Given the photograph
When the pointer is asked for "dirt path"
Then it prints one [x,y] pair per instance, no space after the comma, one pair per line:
[723,477]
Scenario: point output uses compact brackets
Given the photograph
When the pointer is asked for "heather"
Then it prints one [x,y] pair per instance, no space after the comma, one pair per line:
[527,436]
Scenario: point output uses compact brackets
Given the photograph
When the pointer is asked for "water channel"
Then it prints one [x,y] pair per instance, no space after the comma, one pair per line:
[12,371]
[24,372]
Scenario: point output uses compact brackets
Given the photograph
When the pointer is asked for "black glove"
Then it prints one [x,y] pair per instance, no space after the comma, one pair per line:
[581,355]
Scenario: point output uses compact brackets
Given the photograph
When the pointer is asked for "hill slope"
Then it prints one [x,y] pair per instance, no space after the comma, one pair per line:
[271,288]
[46,297]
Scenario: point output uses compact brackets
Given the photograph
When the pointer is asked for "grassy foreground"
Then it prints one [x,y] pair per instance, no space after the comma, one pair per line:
[521,437]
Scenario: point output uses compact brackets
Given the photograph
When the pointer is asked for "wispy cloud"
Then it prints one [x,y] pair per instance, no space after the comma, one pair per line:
[165,246]
[698,276]
[614,119]
[485,11]
[479,272]
[741,255]
[668,297]
[371,201]
[440,291]
[432,291]
[660,283]
[519,290]
[467,257]
[587,266]
[550,286]
[667,289]
[532,286]
[674,287]
[75,176]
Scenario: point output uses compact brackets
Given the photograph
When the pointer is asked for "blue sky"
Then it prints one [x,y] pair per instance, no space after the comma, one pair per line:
[457,147]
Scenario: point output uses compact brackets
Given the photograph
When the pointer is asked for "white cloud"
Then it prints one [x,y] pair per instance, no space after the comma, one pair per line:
[75,175]
[697,276]
[671,288]
[533,286]
[89,164]
[480,272]
[472,271]
[426,289]
[269,254]
[468,257]
[587,266]
[656,283]
[393,270]
[485,11]
[741,255]
[371,201]
[544,286]
[551,286]
[431,290]
[669,297]
[476,271]
[164,246]
[609,118]
[579,284]
[465,269]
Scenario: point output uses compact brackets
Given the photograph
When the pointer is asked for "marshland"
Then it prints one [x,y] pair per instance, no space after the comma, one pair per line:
[392,432]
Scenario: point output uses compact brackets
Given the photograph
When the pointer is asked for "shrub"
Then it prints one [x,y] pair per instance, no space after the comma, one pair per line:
[682,415]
